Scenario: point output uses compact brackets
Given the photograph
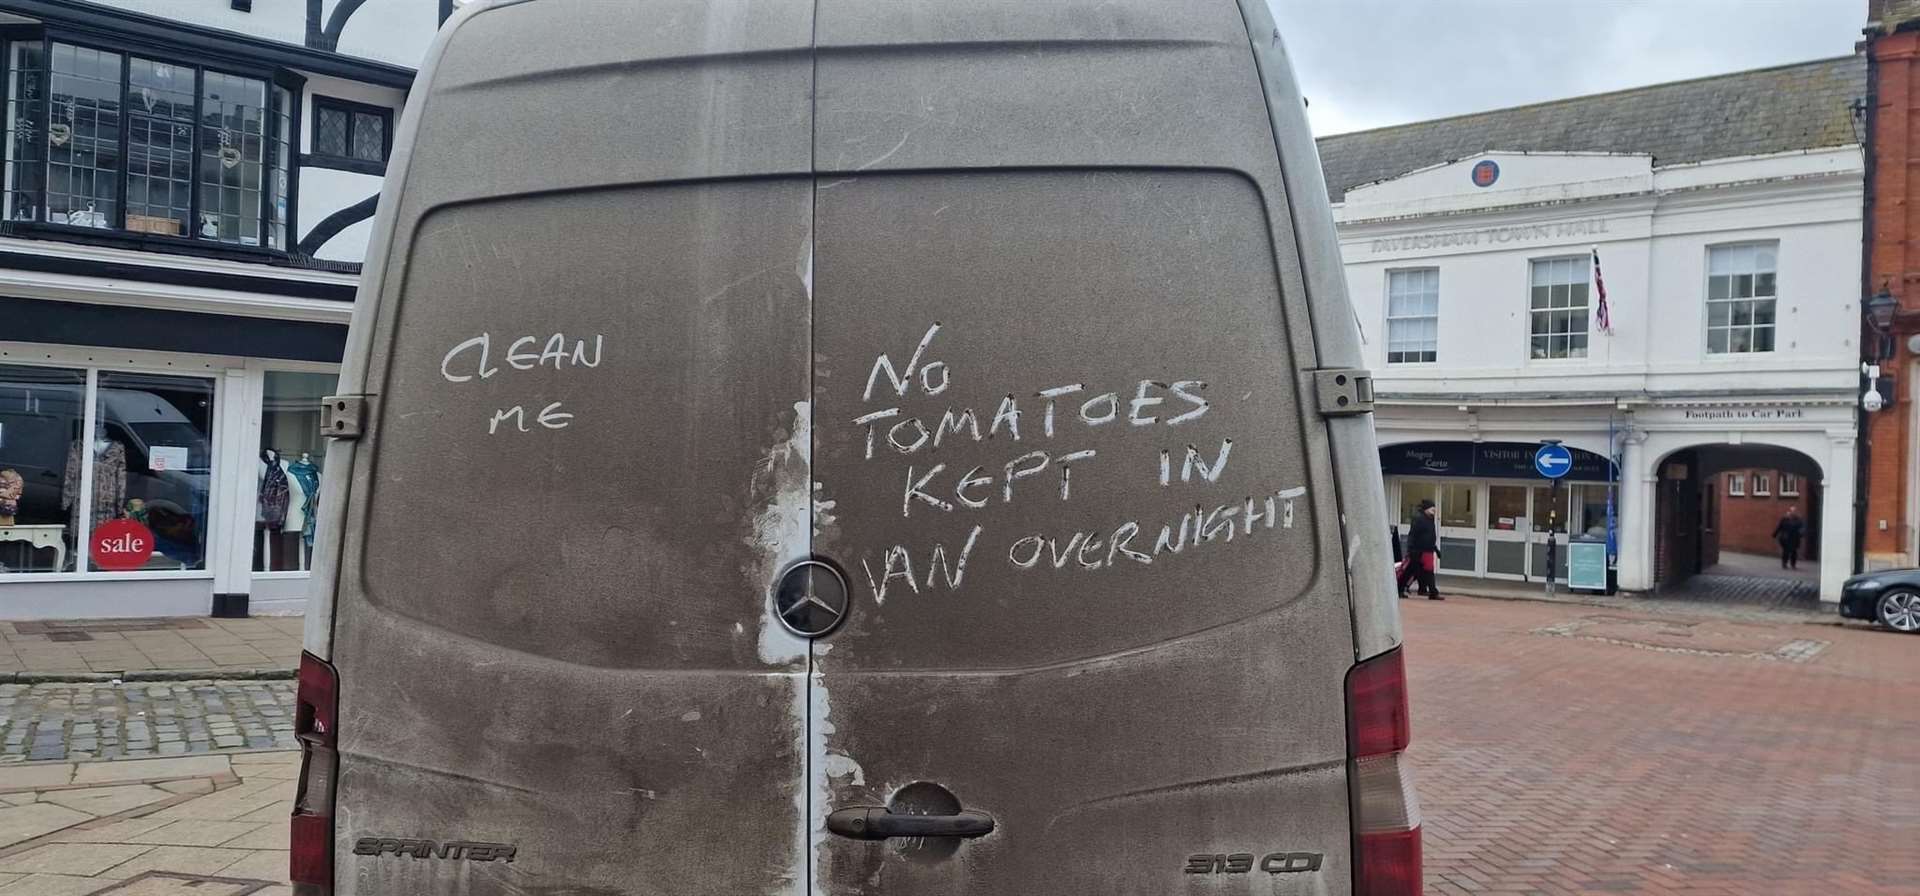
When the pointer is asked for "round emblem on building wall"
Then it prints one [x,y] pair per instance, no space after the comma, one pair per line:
[1485,172]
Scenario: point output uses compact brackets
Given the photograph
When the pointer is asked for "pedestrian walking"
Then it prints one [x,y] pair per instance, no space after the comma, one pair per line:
[1788,533]
[1422,553]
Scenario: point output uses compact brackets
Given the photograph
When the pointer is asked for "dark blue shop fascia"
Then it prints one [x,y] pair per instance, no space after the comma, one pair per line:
[149,329]
[1491,460]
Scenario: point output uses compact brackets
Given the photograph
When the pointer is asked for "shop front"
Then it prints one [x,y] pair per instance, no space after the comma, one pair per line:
[1494,510]
[144,483]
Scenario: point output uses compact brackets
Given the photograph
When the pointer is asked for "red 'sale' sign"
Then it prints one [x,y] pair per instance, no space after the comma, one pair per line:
[122,544]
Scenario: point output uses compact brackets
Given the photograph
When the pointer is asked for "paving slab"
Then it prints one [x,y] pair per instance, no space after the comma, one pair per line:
[105,646]
[218,826]
[76,859]
[152,769]
[20,823]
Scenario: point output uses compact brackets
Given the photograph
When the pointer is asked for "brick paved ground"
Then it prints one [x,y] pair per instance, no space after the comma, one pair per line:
[86,720]
[1569,749]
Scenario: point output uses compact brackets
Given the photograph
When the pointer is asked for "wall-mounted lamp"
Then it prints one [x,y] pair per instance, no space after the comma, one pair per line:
[1880,310]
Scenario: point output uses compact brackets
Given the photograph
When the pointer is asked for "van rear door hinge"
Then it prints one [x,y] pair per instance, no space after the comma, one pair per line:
[1343,392]
[343,416]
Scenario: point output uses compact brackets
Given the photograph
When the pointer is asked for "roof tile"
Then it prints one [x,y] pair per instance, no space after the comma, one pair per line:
[1806,105]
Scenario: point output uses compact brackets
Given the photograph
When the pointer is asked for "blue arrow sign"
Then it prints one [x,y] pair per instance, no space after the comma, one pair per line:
[1553,461]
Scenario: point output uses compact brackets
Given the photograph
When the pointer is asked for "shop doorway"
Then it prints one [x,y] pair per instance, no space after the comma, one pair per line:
[1718,512]
[1495,512]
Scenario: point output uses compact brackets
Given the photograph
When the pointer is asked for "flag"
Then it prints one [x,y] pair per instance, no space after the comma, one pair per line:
[1602,315]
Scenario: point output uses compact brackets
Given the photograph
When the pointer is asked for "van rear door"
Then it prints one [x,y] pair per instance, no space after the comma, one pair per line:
[1065,460]
[587,362]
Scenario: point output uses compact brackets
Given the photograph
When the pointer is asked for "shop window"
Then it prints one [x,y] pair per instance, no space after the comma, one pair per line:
[41,414]
[1789,485]
[1456,505]
[1506,507]
[1593,510]
[1736,485]
[1548,513]
[117,486]
[292,453]
[351,132]
[1740,298]
[160,143]
[83,137]
[152,462]
[1558,308]
[1412,492]
[1762,485]
[105,140]
[1413,316]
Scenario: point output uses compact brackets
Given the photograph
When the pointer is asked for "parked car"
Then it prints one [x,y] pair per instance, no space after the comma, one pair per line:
[1890,597]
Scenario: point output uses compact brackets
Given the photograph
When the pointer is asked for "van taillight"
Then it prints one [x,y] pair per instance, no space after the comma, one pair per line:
[317,709]
[1386,813]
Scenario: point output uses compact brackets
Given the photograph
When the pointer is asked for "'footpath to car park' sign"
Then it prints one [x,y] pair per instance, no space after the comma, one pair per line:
[1747,414]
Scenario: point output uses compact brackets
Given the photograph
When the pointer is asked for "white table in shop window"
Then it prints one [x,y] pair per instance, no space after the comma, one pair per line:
[40,537]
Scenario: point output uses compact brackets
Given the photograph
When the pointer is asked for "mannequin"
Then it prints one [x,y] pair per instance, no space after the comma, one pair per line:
[307,476]
[274,491]
[11,487]
[109,480]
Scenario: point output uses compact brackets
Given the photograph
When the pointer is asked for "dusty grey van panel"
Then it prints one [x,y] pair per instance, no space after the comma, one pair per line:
[601,463]
[1085,548]
[1376,612]
[588,452]
[681,90]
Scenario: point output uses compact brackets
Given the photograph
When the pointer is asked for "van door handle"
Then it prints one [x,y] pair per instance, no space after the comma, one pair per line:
[876,823]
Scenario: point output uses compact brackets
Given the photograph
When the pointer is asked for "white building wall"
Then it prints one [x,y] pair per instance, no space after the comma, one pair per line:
[1651,385]
[324,191]
[280,20]
[396,31]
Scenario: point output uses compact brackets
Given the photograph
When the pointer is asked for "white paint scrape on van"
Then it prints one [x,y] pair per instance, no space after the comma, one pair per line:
[783,524]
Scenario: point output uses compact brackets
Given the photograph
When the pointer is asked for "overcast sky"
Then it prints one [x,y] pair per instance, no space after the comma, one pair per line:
[1369,63]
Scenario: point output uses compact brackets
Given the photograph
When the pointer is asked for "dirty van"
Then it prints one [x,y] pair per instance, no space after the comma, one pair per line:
[853,447]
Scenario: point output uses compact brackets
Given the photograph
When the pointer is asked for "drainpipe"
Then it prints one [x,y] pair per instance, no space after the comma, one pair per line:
[1862,447]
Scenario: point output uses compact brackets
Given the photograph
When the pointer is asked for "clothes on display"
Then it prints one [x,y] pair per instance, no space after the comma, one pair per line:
[109,481]
[11,487]
[275,491]
[307,477]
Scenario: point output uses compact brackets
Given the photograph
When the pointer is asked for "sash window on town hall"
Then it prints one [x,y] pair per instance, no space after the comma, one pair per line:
[1740,298]
[105,140]
[1413,316]
[1558,308]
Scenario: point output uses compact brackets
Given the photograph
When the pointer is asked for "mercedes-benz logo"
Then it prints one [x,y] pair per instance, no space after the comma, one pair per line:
[811,599]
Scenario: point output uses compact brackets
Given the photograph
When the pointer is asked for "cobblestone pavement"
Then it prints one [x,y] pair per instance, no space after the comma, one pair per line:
[1741,598]
[1761,592]
[84,720]
[1570,749]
